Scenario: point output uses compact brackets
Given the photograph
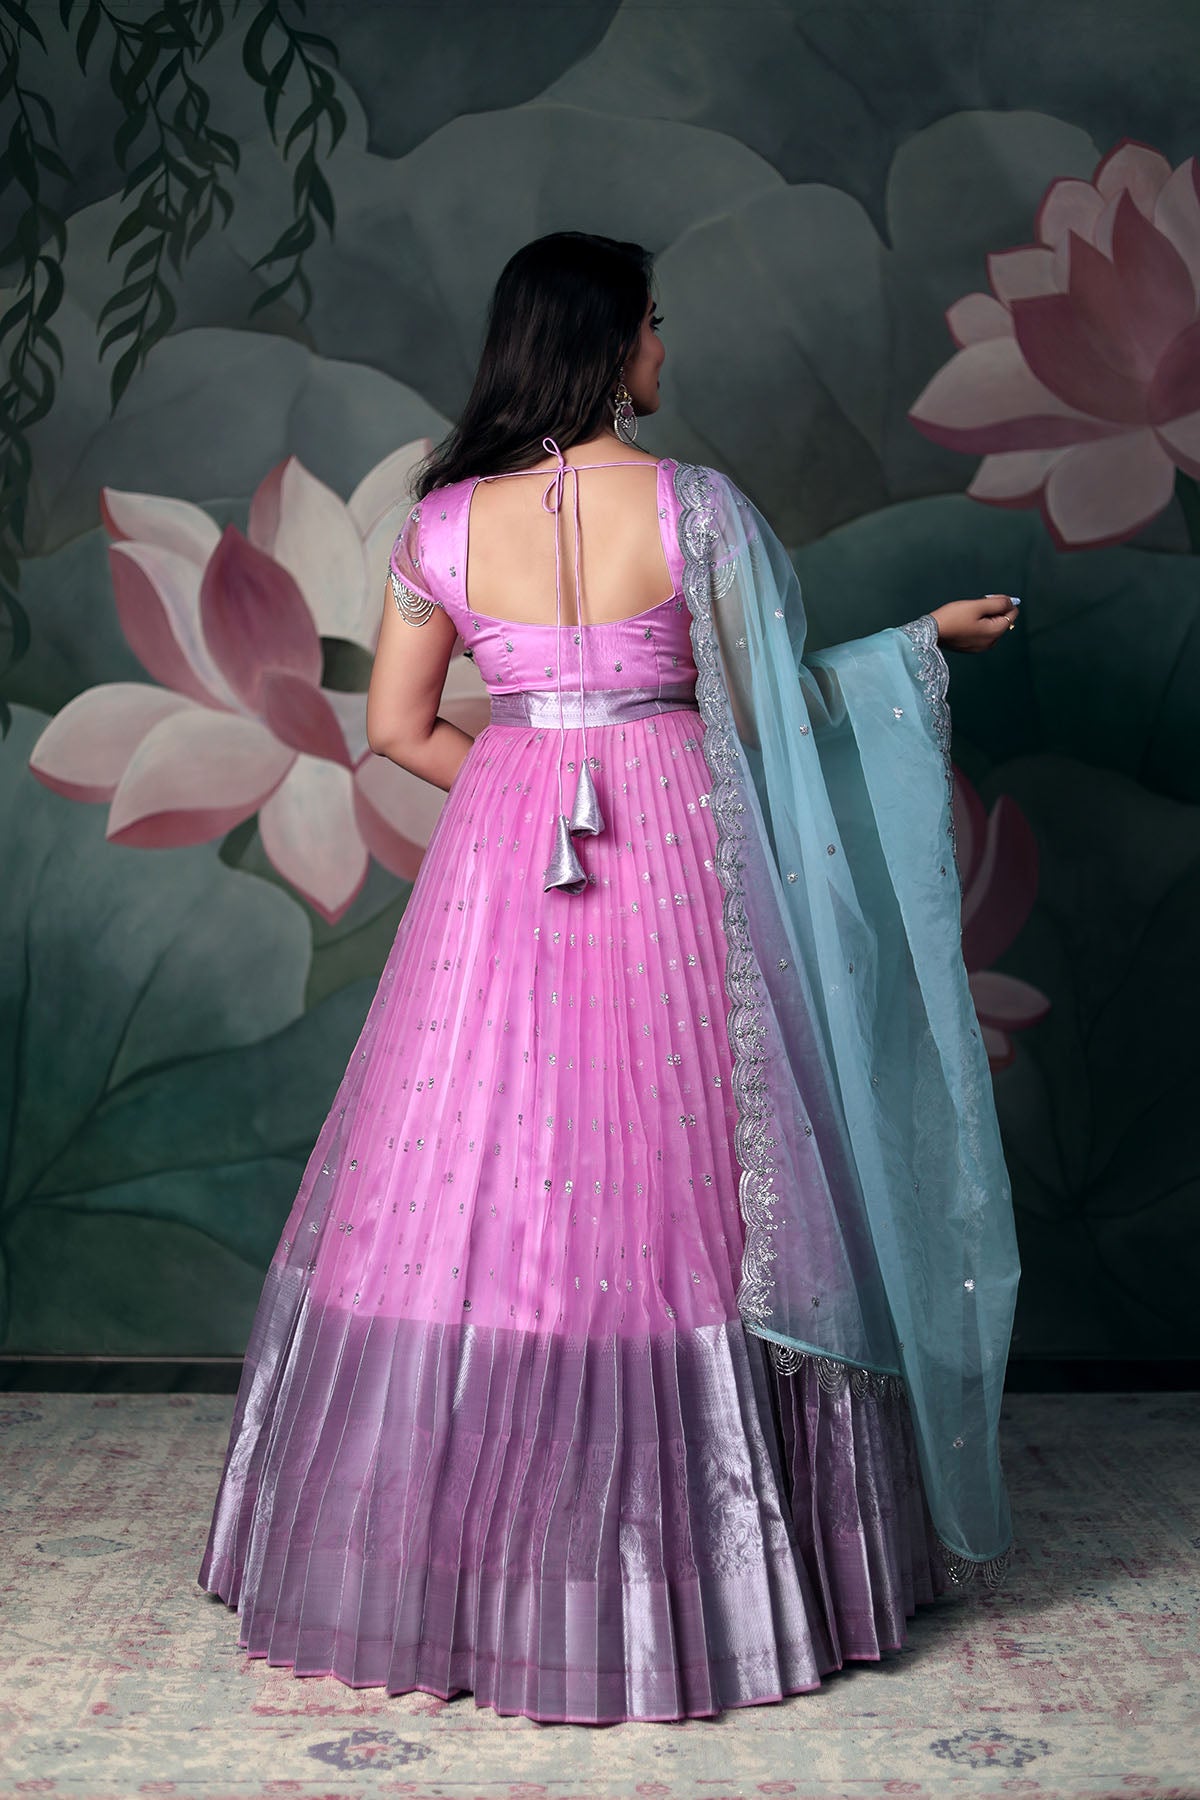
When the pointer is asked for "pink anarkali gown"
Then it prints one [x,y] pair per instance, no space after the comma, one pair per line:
[501,1428]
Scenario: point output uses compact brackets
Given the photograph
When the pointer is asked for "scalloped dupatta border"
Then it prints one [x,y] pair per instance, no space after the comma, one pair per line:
[743,977]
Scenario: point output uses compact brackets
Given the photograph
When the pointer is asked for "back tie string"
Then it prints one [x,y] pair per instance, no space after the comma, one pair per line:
[564,870]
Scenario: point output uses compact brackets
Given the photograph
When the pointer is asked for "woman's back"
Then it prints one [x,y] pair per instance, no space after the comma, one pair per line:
[484,550]
[623,565]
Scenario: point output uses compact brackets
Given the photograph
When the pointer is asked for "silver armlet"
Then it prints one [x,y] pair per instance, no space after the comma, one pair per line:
[415,609]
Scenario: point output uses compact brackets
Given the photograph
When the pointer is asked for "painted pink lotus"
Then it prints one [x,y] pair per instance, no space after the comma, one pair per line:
[231,628]
[998,870]
[1078,377]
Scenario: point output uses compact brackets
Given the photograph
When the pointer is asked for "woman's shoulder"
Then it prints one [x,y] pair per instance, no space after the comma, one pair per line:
[446,490]
[703,485]
[682,474]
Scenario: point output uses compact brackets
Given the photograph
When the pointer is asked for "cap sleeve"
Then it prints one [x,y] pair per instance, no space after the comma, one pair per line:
[410,589]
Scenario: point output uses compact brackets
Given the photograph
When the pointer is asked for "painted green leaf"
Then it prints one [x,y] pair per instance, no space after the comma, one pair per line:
[1101,1130]
[163,1087]
[1105,664]
[1086,716]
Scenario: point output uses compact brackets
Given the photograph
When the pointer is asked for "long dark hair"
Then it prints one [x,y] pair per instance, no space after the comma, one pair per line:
[565,315]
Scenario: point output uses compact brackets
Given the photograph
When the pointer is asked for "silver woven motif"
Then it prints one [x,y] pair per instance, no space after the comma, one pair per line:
[934,678]
[704,579]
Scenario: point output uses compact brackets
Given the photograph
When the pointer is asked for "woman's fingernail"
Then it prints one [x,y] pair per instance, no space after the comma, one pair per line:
[1015,599]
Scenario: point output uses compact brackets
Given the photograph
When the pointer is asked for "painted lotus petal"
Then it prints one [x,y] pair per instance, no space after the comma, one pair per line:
[985,398]
[1020,274]
[1006,1000]
[1068,205]
[86,748]
[999,1046]
[465,700]
[350,710]
[1104,230]
[1102,233]
[255,618]
[157,593]
[1099,304]
[309,832]
[396,814]
[169,1084]
[1181,439]
[266,504]
[1177,216]
[1175,390]
[470,712]
[977,317]
[174,525]
[376,552]
[300,716]
[194,776]
[1054,340]
[388,485]
[1104,320]
[1000,890]
[1157,285]
[379,505]
[1134,169]
[305,528]
[1102,492]
[1012,477]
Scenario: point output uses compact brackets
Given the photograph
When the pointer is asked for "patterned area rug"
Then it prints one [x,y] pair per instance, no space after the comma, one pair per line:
[1077,1681]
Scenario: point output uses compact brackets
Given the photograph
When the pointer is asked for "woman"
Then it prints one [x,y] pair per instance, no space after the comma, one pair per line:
[686,931]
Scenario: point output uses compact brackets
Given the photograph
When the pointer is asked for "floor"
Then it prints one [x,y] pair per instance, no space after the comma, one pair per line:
[1076,1681]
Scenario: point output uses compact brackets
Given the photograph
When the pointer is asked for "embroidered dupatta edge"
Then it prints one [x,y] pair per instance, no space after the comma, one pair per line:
[732,804]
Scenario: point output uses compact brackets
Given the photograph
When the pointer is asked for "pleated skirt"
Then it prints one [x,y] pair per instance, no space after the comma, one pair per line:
[501,1429]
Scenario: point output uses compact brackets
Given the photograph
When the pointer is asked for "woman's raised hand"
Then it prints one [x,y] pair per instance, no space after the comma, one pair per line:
[974,624]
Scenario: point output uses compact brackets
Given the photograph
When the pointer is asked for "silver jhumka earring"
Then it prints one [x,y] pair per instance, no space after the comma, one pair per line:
[624,417]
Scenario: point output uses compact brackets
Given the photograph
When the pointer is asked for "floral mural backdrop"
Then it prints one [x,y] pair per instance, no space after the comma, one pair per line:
[931,282]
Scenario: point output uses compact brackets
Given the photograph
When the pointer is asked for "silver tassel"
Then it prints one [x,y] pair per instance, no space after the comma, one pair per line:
[564,869]
[586,818]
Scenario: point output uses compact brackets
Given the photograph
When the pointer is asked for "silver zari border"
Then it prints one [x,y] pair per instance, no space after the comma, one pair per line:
[933,677]
[756,1187]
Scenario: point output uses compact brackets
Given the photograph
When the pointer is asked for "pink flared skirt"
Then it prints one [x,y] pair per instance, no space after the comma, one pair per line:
[501,1428]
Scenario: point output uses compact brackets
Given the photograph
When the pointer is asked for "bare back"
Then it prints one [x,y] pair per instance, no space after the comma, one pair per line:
[623,568]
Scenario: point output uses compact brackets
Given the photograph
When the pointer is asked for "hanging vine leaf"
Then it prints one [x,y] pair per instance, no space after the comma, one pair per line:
[173,160]
[89,25]
[271,33]
[176,167]
[24,20]
[30,351]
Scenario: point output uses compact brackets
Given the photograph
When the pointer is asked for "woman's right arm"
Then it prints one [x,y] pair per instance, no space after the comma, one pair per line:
[405,691]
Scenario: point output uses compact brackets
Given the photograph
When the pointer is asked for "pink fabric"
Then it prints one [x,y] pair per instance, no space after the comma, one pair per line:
[544,1104]
[500,1426]
[580,1073]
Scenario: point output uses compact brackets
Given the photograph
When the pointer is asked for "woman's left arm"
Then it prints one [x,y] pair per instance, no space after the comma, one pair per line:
[974,625]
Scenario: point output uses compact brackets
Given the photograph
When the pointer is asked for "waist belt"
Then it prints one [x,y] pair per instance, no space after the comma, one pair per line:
[602,706]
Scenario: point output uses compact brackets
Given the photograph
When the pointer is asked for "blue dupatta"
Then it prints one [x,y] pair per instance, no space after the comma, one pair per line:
[879,1227]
